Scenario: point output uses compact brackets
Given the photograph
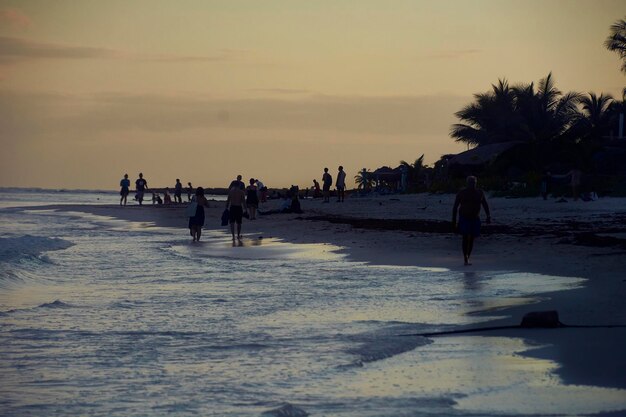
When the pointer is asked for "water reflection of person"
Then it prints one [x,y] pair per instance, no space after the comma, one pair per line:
[471,281]
[467,203]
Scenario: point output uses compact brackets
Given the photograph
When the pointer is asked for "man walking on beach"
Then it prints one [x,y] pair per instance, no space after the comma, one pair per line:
[178,191]
[237,183]
[141,185]
[236,204]
[341,184]
[327,181]
[189,191]
[467,203]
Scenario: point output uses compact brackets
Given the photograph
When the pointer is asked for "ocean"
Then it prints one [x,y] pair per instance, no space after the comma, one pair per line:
[104,317]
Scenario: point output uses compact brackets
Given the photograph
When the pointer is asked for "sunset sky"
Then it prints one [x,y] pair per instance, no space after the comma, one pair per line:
[205,90]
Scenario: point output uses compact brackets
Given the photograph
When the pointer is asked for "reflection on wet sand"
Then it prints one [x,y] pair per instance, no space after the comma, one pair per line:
[481,375]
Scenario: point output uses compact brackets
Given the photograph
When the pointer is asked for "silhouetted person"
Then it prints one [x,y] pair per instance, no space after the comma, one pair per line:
[252,199]
[316,189]
[141,186]
[236,203]
[125,190]
[189,191]
[197,220]
[468,202]
[237,183]
[327,181]
[261,191]
[167,198]
[178,191]
[341,185]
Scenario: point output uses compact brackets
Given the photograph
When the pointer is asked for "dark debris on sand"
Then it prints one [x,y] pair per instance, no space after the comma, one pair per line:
[590,233]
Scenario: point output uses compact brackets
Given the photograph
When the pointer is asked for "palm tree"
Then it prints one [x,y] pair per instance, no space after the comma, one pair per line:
[364,180]
[490,119]
[594,120]
[519,113]
[547,113]
[616,41]
[617,110]
[413,172]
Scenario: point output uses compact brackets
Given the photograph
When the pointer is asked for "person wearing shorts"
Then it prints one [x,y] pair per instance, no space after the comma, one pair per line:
[141,185]
[125,190]
[467,204]
[236,204]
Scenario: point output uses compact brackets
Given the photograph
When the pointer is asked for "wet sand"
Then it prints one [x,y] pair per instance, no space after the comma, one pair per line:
[574,239]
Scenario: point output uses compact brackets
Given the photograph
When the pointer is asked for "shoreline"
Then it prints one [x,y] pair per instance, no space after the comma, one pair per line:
[575,239]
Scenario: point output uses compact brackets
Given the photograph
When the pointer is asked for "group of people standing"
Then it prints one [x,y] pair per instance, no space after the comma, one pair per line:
[241,202]
[141,186]
[327,182]
[244,200]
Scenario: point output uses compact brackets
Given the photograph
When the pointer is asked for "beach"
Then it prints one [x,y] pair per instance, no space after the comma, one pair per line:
[535,256]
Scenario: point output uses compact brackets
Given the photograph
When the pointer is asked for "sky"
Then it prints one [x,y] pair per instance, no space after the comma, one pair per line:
[204,90]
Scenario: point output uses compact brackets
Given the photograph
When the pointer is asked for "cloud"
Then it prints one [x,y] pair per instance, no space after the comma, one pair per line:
[15,18]
[83,115]
[12,49]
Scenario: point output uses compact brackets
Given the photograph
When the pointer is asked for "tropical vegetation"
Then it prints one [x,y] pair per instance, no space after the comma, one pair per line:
[616,41]
[517,132]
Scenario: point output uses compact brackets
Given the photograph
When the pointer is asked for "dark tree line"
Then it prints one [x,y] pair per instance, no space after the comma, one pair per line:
[547,125]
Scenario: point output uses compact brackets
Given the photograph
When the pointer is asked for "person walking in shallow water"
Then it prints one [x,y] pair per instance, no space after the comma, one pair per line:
[125,184]
[467,204]
[252,199]
[196,222]
[236,203]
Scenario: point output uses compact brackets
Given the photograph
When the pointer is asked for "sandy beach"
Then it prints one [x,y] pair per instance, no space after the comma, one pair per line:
[573,239]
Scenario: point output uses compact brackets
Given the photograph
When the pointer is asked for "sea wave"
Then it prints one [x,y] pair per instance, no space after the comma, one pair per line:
[27,246]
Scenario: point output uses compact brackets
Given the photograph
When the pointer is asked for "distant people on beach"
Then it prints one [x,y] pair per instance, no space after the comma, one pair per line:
[156,198]
[178,191]
[290,203]
[294,194]
[141,186]
[196,221]
[237,183]
[125,190]
[341,184]
[261,191]
[252,199]
[327,181]
[467,203]
[317,193]
[236,204]
[189,191]
[167,198]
